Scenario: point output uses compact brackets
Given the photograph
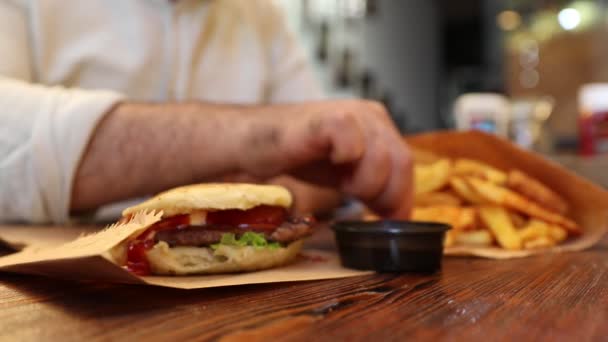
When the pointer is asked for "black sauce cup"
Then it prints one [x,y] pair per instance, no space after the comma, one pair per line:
[390,246]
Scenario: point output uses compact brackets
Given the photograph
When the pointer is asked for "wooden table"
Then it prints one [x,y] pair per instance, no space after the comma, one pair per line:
[552,297]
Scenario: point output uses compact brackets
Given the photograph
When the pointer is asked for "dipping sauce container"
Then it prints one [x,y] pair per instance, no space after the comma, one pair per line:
[390,246]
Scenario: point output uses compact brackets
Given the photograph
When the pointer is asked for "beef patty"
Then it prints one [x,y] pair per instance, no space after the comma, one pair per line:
[289,231]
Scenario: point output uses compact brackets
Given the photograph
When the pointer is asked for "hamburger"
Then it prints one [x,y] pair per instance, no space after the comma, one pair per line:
[215,228]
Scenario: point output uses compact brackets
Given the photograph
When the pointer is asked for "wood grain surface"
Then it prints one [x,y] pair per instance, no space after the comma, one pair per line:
[551,297]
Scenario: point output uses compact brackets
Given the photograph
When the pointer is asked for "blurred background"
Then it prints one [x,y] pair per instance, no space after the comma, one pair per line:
[531,71]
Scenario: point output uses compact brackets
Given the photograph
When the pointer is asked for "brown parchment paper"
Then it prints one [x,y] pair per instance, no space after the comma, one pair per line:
[588,202]
[88,258]
[18,237]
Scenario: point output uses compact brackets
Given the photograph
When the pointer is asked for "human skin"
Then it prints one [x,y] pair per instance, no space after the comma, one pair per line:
[350,145]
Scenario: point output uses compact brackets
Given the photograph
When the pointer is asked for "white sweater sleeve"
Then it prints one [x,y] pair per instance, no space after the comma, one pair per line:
[43,134]
[293,78]
[43,130]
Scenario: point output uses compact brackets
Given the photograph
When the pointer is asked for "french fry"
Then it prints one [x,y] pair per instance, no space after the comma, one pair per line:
[475,238]
[512,200]
[536,229]
[442,214]
[518,220]
[539,242]
[460,186]
[466,219]
[469,167]
[498,221]
[369,215]
[431,177]
[449,239]
[486,206]
[536,191]
[437,198]
[460,218]
[557,233]
[533,230]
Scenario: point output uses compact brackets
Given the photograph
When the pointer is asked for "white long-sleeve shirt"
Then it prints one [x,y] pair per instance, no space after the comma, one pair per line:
[64,64]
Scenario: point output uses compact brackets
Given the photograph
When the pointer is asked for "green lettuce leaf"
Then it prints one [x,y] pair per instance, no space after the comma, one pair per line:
[256,240]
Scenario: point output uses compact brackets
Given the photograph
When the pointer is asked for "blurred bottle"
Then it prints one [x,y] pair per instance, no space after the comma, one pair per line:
[371,8]
[345,70]
[593,119]
[487,112]
[527,119]
[323,43]
[367,85]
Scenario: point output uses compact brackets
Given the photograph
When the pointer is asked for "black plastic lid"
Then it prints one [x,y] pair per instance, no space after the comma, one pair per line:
[390,226]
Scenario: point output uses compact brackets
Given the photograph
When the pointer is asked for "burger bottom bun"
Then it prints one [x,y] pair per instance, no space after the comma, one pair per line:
[165,260]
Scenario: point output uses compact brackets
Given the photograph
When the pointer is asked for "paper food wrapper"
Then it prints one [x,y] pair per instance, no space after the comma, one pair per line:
[18,237]
[90,257]
[588,202]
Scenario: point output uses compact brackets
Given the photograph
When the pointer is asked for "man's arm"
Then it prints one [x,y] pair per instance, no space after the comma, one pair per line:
[140,149]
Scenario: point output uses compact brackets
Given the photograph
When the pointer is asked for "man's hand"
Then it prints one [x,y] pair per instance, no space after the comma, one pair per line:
[349,144]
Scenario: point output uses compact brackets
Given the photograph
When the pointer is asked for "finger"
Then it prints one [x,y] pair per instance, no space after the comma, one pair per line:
[346,138]
[336,139]
[396,200]
[323,173]
[370,175]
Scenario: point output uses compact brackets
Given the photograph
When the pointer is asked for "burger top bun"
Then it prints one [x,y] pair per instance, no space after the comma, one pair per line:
[214,196]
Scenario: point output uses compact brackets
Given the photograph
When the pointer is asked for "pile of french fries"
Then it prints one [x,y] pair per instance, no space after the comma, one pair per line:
[489,207]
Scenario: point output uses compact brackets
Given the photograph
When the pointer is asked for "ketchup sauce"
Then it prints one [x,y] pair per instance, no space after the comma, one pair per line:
[136,257]
[136,249]
[260,218]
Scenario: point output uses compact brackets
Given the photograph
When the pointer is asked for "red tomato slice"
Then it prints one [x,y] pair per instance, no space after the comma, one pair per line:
[174,222]
[260,217]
